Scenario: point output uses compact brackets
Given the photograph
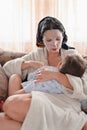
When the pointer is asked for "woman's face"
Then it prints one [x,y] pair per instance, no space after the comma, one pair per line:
[52,40]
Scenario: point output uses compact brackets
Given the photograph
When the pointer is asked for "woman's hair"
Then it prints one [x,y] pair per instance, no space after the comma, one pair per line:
[49,23]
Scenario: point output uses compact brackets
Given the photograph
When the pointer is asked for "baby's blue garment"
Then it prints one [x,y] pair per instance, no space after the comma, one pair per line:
[84,104]
[50,86]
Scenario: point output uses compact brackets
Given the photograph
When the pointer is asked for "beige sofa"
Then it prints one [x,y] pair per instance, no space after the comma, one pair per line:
[4,57]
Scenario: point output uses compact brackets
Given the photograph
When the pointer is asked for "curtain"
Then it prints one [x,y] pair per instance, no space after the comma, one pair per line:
[73,15]
[19,20]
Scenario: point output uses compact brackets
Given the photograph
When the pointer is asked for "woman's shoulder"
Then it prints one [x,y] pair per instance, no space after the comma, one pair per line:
[37,54]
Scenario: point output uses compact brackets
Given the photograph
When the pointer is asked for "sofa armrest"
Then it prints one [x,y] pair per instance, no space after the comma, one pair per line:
[4,57]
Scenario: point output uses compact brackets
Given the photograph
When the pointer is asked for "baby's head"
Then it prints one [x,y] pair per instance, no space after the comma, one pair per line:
[74,65]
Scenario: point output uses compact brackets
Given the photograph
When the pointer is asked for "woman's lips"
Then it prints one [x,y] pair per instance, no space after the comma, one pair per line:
[54,49]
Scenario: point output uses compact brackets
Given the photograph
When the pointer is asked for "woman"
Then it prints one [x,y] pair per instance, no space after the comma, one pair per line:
[42,111]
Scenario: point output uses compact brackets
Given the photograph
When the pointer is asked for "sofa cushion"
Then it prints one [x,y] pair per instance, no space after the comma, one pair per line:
[9,55]
[85,58]
[4,57]
[3,84]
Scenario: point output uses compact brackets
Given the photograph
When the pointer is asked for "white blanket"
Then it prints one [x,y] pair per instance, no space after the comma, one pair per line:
[56,111]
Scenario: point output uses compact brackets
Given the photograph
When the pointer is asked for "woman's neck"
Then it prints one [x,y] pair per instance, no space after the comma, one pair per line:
[53,58]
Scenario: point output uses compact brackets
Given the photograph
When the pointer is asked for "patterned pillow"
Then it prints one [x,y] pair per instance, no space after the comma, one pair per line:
[3,84]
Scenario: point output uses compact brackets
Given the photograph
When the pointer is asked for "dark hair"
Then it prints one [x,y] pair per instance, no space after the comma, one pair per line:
[74,65]
[49,23]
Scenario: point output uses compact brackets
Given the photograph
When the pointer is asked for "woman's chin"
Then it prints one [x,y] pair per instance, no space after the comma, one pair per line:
[54,50]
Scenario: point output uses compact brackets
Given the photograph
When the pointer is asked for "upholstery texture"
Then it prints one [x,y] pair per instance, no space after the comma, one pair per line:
[4,57]
[9,55]
[3,84]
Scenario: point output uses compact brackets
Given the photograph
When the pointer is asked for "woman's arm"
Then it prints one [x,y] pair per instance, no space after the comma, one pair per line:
[76,86]
[62,78]
[45,75]
[19,66]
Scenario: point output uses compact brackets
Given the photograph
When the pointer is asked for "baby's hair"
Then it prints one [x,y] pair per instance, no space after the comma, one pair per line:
[73,65]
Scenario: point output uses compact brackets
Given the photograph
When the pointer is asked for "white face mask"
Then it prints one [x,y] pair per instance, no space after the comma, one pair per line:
[52,40]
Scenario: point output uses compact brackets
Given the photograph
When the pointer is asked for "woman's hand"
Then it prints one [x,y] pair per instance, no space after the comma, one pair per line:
[31,63]
[44,75]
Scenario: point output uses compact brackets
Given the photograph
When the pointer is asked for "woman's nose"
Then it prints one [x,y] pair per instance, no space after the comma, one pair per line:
[54,43]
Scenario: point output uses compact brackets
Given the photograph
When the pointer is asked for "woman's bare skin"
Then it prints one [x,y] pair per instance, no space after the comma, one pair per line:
[12,110]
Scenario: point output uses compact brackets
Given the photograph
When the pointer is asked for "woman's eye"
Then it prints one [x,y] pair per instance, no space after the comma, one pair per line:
[58,39]
[49,40]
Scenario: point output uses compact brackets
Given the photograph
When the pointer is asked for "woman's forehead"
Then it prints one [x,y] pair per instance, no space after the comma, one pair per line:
[53,32]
